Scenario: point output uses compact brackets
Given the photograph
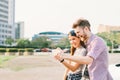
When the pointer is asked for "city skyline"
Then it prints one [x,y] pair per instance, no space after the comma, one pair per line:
[59,15]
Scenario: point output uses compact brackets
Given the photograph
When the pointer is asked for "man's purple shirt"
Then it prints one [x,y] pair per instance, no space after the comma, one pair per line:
[97,49]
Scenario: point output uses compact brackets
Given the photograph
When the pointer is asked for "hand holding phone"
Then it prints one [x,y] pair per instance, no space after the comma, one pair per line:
[57,53]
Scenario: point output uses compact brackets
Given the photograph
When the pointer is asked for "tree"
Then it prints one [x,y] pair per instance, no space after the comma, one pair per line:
[117,38]
[111,38]
[23,43]
[63,43]
[9,41]
[106,36]
[41,42]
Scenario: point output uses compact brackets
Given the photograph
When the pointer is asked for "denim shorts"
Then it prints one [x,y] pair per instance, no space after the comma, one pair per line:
[75,76]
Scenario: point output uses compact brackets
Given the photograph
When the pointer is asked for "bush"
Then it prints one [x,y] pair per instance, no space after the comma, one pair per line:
[29,50]
[21,50]
[115,51]
[13,50]
[2,50]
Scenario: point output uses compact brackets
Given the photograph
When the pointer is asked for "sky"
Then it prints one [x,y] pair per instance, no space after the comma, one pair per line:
[59,15]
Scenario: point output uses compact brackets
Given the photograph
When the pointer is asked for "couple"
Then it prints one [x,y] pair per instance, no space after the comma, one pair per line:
[93,55]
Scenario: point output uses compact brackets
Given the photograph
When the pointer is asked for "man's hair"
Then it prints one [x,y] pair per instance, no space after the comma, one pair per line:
[81,23]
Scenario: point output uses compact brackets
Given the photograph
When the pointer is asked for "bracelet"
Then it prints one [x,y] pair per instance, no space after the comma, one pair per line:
[61,60]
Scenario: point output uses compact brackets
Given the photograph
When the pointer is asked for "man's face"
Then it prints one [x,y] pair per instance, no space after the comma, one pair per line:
[80,32]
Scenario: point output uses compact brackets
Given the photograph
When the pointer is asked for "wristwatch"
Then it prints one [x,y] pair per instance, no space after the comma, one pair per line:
[61,60]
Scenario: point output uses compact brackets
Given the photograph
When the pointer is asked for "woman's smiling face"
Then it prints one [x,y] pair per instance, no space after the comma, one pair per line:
[74,41]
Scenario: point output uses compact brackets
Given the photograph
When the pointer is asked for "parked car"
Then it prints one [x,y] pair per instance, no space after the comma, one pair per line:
[46,50]
[37,50]
[66,50]
[115,70]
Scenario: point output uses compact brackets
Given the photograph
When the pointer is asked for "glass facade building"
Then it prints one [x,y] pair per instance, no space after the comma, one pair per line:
[7,13]
[19,30]
[53,36]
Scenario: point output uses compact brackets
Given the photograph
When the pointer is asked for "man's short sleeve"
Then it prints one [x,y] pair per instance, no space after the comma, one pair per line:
[95,48]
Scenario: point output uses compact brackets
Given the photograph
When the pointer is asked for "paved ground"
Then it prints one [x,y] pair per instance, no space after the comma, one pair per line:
[42,67]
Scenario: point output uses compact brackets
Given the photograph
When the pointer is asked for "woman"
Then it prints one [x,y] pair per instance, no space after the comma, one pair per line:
[74,70]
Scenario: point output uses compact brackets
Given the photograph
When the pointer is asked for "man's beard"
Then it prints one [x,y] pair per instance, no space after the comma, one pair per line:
[83,38]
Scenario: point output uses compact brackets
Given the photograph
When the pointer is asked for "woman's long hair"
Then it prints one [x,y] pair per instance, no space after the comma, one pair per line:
[72,49]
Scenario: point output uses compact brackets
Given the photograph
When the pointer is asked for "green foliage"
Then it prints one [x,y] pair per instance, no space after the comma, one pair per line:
[13,50]
[9,41]
[16,49]
[63,43]
[30,50]
[23,43]
[4,59]
[115,51]
[41,42]
[2,49]
[117,38]
[110,37]
[21,50]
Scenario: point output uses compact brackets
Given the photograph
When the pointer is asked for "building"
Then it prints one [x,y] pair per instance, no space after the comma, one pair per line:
[52,35]
[108,28]
[7,15]
[19,30]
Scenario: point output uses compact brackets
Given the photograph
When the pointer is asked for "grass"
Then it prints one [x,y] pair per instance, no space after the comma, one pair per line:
[17,68]
[25,62]
[4,63]
[4,59]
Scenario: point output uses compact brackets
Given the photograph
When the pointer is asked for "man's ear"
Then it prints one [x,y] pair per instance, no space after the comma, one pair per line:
[86,28]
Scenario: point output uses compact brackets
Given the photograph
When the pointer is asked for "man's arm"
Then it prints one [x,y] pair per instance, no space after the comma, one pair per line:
[72,67]
[79,59]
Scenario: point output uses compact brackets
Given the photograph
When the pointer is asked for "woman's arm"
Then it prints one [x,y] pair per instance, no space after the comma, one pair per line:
[79,59]
[72,67]
[65,74]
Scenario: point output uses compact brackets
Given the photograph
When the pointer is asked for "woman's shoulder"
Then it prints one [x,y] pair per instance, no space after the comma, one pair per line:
[81,51]
[84,50]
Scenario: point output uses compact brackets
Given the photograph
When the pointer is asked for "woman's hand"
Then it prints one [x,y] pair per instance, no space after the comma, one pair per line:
[58,56]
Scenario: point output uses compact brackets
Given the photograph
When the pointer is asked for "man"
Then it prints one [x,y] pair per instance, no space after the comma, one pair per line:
[97,53]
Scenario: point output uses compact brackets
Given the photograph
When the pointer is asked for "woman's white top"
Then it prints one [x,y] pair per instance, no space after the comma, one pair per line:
[79,52]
